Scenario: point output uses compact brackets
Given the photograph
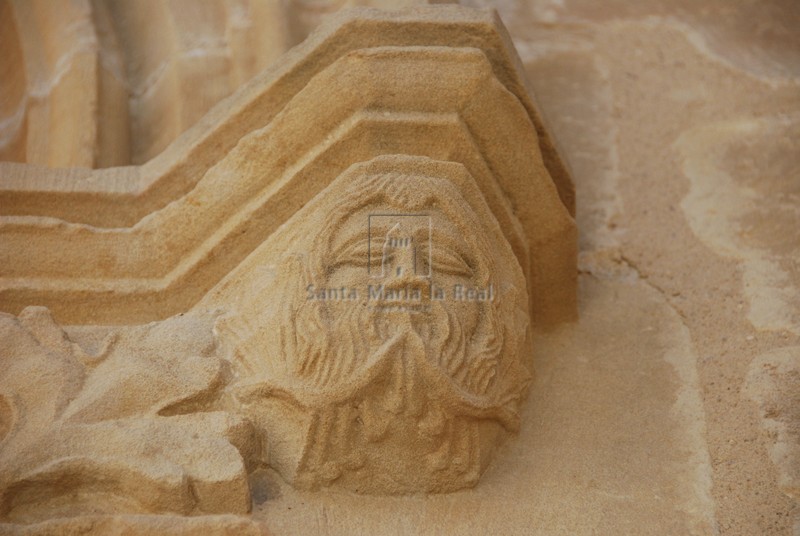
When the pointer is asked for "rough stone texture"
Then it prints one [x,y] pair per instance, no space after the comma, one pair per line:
[670,407]
[635,92]
[91,525]
[611,441]
[774,384]
[102,83]
[115,431]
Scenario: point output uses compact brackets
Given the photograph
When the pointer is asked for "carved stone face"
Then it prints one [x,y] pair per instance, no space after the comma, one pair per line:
[399,341]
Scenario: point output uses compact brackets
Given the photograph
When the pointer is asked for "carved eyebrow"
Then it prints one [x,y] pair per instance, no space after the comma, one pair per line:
[356,249]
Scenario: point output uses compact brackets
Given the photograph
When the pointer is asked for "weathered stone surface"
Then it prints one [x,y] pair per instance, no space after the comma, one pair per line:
[213,525]
[774,384]
[116,431]
[611,441]
[106,83]
[678,121]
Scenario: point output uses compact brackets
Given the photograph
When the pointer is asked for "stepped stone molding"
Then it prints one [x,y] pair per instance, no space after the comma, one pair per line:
[167,261]
[121,197]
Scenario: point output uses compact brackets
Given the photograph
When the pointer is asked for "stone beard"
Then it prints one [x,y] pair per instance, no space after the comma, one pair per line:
[393,398]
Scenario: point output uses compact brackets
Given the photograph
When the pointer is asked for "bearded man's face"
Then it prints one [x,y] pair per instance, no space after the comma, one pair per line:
[404,355]
[388,354]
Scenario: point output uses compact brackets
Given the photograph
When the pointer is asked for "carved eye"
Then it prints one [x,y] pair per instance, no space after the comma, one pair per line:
[357,253]
[446,261]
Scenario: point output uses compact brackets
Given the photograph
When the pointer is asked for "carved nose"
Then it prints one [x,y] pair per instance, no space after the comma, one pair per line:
[409,288]
[400,252]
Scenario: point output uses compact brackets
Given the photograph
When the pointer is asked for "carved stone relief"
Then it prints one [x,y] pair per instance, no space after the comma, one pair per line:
[334,274]
[399,380]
